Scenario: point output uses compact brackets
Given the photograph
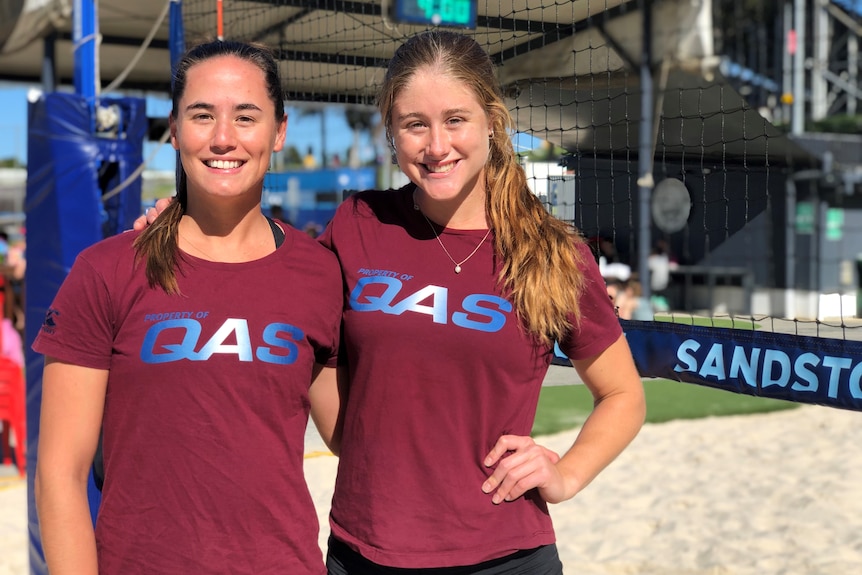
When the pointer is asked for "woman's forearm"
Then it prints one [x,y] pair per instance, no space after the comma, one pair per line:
[68,538]
[611,427]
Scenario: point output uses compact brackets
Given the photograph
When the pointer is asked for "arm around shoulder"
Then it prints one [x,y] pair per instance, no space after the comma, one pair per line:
[328,395]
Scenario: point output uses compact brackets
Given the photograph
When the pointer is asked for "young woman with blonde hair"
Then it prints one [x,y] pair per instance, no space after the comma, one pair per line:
[457,286]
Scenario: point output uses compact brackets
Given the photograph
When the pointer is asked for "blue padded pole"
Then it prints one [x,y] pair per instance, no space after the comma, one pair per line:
[177,34]
[177,43]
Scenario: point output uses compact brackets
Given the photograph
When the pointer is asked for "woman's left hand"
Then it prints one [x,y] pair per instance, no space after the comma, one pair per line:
[528,465]
[150,214]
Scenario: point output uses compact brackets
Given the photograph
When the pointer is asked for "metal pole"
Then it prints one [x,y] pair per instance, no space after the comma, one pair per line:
[645,152]
[85,37]
[797,125]
[49,63]
[852,64]
[177,43]
[790,250]
[787,64]
[323,162]
[821,44]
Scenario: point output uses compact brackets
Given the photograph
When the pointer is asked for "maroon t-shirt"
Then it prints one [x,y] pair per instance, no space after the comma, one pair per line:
[440,369]
[206,406]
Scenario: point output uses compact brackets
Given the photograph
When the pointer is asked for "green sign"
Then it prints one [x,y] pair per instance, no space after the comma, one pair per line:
[834,223]
[805,218]
[453,13]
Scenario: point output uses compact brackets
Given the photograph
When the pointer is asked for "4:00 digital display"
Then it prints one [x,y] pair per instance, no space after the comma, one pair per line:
[453,13]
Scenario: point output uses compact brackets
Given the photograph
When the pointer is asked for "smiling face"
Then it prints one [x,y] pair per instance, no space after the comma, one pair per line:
[225,128]
[441,136]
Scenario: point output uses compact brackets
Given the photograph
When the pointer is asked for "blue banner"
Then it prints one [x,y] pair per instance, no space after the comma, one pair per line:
[794,368]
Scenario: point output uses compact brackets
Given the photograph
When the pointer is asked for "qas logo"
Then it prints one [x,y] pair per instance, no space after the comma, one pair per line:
[279,339]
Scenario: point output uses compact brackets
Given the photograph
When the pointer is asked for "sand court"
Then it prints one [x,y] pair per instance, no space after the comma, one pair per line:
[767,494]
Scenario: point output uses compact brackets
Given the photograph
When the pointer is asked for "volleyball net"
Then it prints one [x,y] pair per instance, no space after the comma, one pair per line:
[668,133]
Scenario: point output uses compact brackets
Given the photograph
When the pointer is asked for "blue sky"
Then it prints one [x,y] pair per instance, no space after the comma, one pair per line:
[852,5]
[303,130]
[13,122]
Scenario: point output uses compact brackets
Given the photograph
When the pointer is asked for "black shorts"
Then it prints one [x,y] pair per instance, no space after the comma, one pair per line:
[342,560]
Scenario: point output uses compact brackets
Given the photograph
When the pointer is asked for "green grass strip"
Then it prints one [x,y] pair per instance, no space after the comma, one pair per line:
[567,406]
[734,323]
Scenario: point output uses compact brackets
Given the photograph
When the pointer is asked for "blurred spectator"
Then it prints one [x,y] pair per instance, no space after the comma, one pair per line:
[13,265]
[660,265]
[11,344]
[313,229]
[276,212]
[309,162]
[610,264]
[627,297]
[617,292]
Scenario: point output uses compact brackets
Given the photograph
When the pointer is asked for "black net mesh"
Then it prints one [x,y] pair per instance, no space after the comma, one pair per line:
[656,124]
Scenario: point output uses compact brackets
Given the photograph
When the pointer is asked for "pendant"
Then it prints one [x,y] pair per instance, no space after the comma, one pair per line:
[457,269]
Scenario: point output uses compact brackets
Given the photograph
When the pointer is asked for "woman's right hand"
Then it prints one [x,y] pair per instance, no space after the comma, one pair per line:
[150,214]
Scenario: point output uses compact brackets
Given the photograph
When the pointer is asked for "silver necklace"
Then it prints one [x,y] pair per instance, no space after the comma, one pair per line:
[439,241]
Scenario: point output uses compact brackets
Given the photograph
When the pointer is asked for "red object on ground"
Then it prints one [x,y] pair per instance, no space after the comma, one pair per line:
[13,413]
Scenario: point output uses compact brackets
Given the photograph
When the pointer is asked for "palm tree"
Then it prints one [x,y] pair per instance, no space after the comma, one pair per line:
[317,110]
[360,119]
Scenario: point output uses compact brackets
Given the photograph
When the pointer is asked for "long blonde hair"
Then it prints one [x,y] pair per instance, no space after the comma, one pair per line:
[158,243]
[541,267]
